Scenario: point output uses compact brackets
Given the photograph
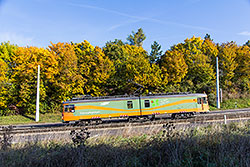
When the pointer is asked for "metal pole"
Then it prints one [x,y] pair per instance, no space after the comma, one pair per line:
[220,95]
[225,119]
[37,94]
[217,84]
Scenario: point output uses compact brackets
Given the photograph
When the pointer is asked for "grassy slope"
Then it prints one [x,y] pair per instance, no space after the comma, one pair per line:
[20,119]
[233,104]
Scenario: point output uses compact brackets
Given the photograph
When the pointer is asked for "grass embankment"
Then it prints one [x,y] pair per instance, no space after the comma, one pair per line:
[204,146]
[27,119]
[233,104]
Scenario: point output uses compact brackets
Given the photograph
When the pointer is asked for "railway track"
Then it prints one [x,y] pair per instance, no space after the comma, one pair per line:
[240,114]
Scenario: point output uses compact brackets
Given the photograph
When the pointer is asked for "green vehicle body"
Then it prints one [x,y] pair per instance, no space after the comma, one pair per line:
[133,106]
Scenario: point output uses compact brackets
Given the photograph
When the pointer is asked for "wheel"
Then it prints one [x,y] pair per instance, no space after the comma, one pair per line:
[132,119]
[173,116]
[152,118]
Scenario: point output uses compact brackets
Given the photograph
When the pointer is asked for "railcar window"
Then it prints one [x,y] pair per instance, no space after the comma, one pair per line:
[147,103]
[69,108]
[204,100]
[199,100]
[130,104]
[65,108]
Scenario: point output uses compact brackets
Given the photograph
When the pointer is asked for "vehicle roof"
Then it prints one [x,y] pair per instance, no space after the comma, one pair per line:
[84,99]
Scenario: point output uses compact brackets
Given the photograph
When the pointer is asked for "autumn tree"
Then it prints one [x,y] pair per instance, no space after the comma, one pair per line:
[94,67]
[4,80]
[26,62]
[137,67]
[66,82]
[71,69]
[3,83]
[242,71]
[227,64]
[210,49]
[114,50]
[200,76]
[7,52]
[174,65]
[136,38]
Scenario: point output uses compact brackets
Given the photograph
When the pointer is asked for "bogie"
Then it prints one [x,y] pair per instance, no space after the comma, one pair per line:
[182,115]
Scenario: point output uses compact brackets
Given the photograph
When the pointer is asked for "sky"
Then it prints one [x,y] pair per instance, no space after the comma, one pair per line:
[169,22]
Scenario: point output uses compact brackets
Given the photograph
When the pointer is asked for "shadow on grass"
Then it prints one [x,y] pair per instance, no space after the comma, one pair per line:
[212,146]
[29,117]
[189,151]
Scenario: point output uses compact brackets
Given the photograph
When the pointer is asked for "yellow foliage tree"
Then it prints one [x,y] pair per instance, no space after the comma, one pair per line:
[242,72]
[228,63]
[66,81]
[201,75]
[175,66]
[6,53]
[3,81]
[94,66]
[137,67]
[26,63]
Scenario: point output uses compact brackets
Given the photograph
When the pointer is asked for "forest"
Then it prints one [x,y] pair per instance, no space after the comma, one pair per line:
[72,69]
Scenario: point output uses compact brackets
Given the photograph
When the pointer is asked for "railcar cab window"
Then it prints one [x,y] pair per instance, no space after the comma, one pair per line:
[199,100]
[130,104]
[147,103]
[69,108]
[204,99]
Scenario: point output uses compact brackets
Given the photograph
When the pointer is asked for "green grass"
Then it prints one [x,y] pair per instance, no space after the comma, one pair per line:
[212,146]
[27,119]
[233,104]
[236,103]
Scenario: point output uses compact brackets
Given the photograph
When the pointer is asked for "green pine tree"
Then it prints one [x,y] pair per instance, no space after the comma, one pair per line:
[155,53]
[136,38]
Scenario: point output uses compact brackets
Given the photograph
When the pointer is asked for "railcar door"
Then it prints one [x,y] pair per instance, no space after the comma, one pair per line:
[140,105]
[133,108]
[199,103]
[68,112]
[202,104]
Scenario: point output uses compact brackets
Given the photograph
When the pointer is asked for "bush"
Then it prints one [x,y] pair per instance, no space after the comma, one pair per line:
[211,99]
